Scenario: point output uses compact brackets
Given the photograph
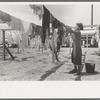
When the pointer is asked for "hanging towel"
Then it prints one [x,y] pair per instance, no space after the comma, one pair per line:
[45,24]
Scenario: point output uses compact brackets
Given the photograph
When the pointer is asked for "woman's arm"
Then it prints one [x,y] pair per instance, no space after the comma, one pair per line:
[69,29]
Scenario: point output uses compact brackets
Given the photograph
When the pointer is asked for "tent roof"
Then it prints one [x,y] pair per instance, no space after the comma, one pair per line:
[23,12]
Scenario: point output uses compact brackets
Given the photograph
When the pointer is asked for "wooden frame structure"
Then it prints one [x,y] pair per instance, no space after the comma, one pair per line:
[4,45]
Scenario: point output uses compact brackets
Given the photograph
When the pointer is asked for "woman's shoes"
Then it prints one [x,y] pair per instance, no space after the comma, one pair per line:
[76,70]
[79,70]
[78,73]
[73,71]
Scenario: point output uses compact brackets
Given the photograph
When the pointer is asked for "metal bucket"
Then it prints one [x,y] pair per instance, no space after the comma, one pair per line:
[90,67]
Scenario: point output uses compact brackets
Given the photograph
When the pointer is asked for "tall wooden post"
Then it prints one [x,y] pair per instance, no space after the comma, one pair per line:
[92,14]
[53,56]
[70,45]
[69,49]
[87,40]
[98,34]
[3,44]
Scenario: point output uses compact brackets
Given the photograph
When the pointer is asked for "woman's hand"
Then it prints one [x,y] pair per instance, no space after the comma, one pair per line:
[68,28]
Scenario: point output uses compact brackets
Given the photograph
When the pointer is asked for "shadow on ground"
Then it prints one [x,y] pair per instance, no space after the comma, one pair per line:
[52,70]
[78,77]
[87,74]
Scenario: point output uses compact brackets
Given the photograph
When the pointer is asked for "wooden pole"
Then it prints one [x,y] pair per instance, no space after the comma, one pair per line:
[70,45]
[69,49]
[92,14]
[3,45]
[98,35]
[53,60]
[87,40]
[42,47]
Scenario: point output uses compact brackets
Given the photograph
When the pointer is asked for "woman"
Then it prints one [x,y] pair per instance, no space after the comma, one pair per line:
[77,51]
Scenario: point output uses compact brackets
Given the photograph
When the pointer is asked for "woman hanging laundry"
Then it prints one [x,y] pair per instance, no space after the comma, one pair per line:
[77,51]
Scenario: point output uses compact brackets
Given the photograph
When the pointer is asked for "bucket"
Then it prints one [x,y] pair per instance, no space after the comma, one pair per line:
[90,67]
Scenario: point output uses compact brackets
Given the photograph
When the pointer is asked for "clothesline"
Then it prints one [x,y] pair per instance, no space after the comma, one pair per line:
[23,12]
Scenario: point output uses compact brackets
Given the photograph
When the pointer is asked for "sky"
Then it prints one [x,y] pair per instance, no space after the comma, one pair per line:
[23,12]
[69,14]
[97,14]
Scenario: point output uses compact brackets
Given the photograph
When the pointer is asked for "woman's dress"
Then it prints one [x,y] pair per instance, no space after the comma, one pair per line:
[77,51]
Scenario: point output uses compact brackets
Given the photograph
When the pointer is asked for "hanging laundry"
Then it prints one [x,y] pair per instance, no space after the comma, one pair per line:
[52,18]
[38,10]
[55,23]
[45,24]
[60,33]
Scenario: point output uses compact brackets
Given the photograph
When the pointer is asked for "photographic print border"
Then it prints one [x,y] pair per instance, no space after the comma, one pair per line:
[7,87]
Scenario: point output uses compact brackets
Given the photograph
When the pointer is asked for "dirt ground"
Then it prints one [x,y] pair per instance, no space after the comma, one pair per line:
[32,65]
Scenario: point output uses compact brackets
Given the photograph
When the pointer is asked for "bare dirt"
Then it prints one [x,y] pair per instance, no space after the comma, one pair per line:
[32,65]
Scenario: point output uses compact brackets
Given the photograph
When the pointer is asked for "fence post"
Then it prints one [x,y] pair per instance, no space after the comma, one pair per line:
[3,32]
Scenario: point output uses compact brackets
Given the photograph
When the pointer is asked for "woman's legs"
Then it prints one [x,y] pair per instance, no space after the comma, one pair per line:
[75,67]
[74,70]
[79,69]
